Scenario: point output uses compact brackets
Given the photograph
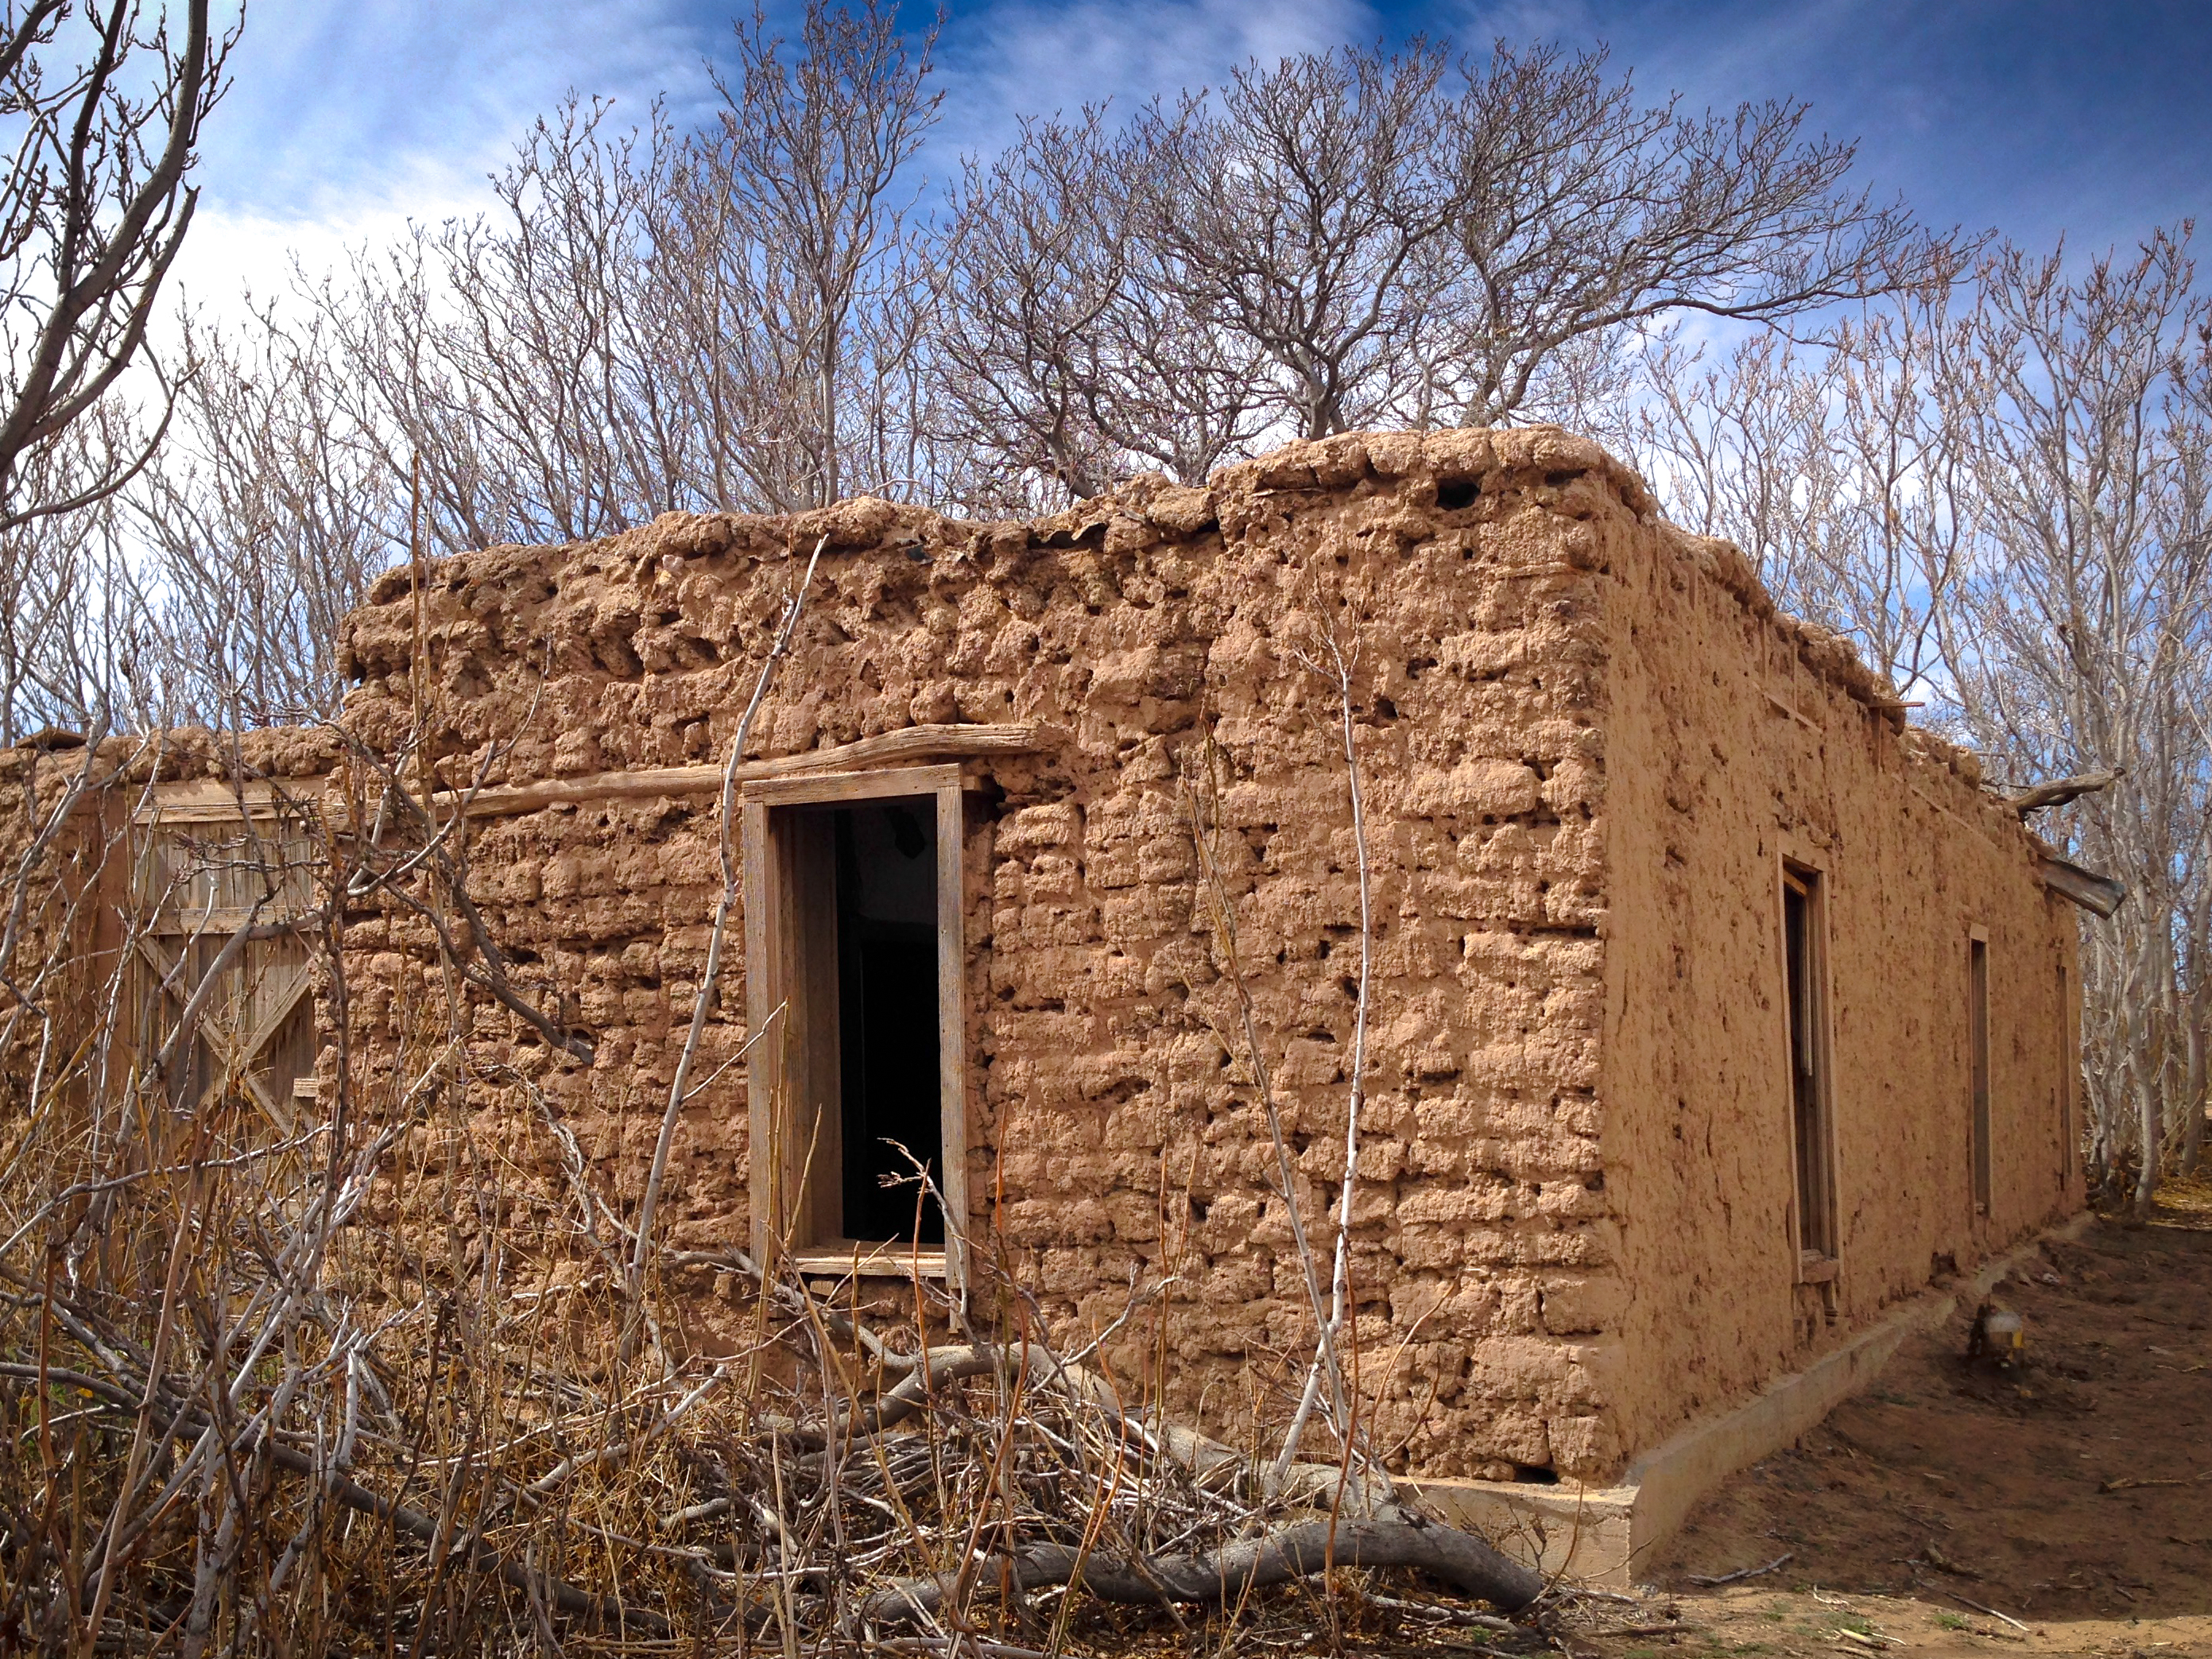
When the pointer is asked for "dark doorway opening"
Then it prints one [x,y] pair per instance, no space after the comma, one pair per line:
[1978,1037]
[1808,1083]
[891,1108]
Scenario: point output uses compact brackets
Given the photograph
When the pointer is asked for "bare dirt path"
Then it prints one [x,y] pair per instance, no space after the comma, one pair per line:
[2072,1493]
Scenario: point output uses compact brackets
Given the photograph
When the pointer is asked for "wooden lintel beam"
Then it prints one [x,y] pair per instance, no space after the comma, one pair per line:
[913,743]
[204,801]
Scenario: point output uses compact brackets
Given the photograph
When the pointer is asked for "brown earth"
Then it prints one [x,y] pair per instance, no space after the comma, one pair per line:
[2072,1493]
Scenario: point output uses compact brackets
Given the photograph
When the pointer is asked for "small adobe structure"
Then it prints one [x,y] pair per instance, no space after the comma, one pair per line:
[1718,1012]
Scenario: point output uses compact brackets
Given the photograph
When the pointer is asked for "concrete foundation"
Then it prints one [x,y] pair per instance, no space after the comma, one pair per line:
[1598,1535]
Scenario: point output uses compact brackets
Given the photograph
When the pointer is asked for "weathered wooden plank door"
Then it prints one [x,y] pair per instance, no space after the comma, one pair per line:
[204,869]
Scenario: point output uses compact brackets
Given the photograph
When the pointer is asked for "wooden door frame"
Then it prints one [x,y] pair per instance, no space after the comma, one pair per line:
[770,953]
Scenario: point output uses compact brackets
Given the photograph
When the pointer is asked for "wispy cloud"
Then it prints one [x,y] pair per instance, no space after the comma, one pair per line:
[1014,58]
[349,118]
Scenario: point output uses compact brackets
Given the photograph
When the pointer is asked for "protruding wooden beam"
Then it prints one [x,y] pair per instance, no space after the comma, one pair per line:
[2100,895]
[200,801]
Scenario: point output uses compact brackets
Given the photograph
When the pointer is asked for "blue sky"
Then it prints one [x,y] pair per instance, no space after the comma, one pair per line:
[349,117]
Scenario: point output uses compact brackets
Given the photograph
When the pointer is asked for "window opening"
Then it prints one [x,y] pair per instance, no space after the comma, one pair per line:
[1977,1023]
[1808,1083]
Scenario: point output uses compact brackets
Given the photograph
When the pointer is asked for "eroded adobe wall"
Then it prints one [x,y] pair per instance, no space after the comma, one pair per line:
[1111,1129]
[1737,737]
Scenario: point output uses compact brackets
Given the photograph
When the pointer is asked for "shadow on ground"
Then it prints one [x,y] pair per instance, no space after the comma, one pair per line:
[2072,1493]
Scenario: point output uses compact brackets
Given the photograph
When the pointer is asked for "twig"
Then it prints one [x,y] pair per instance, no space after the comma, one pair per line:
[705,997]
[1778,1563]
[1325,1353]
[1979,1608]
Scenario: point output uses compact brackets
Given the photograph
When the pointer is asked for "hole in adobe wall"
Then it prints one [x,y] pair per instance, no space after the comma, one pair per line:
[1536,1474]
[1384,708]
[1454,493]
[1198,1209]
[1559,480]
[1350,987]
[1322,948]
[1416,666]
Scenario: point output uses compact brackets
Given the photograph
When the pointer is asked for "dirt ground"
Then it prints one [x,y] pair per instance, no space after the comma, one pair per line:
[2072,1493]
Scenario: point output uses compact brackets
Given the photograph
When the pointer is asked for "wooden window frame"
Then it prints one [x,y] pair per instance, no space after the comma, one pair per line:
[1817,1263]
[1980,1129]
[774,953]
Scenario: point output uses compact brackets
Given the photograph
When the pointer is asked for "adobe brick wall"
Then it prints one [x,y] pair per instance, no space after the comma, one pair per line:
[1571,1212]
[1109,1130]
[1737,736]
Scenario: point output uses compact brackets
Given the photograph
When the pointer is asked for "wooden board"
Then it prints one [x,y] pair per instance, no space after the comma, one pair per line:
[854,785]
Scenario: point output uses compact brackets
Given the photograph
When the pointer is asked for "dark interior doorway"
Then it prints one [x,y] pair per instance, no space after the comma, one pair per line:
[1808,1091]
[887,1017]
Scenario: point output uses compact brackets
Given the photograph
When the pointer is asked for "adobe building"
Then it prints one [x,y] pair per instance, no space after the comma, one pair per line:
[1717,1011]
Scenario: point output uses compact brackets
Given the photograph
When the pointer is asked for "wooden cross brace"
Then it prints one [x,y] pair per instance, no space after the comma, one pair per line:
[234,1050]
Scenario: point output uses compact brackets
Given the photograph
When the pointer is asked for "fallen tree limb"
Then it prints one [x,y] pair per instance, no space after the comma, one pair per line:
[2059,791]
[1221,1576]
[1781,1561]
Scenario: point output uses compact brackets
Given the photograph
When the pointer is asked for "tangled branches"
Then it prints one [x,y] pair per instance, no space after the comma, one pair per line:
[282,1461]
[404,1378]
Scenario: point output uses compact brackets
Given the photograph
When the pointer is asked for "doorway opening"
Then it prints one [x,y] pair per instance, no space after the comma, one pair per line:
[890,1103]
[852,973]
[1802,934]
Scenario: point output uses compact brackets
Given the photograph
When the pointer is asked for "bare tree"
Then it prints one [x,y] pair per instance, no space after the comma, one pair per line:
[814,149]
[1361,238]
[1069,355]
[1582,211]
[1304,211]
[78,654]
[94,207]
[263,521]
[1832,467]
[2082,640]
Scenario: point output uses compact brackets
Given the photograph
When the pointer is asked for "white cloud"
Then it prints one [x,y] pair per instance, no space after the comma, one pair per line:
[1031,57]
[345,121]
